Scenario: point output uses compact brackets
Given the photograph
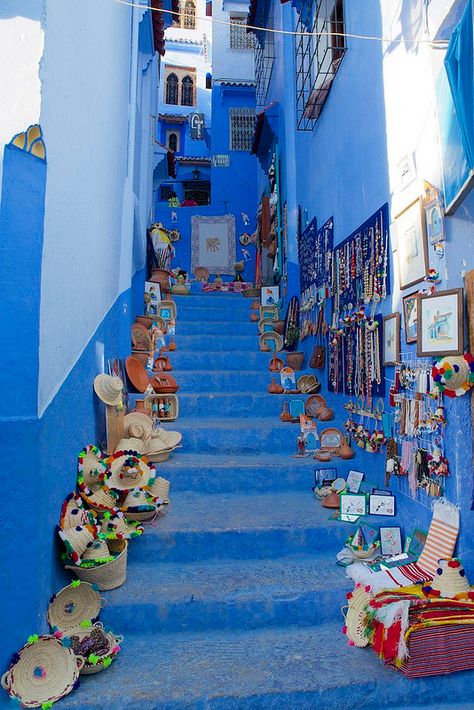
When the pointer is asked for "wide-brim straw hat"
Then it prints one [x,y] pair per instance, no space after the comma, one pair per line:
[102,499]
[91,467]
[449,580]
[128,470]
[171,439]
[72,605]
[139,500]
[43,671]
[356,628]
[117,527]
[98,552]
[454,374]
[73,513]
[77,539]
[137,425]
[109,389]
[160,488]
[131,444]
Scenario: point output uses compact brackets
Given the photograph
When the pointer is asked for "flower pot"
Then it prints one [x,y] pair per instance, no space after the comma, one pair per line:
[295,360]
[162,277]
[254,316]
[279,326]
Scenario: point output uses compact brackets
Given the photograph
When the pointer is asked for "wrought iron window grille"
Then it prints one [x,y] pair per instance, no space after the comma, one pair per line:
[241,127]
[264,51]
[239,37]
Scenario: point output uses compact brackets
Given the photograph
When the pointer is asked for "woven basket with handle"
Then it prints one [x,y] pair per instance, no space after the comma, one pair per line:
[109,575]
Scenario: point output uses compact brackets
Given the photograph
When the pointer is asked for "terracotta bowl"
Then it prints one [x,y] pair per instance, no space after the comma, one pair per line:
[136,373]
[333,500]
[147,321]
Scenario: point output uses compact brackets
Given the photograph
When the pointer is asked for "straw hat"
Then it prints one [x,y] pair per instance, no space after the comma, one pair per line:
[357,616]
[454,374]
[72,605]
[77,539]
[450,581]
[73,513]
[137,425]
[117,527]
[97,552]
[43,672]
[92,467]
[128,470]
[138,500]
[103,499]
[171,439]
[160,488]
[109,389]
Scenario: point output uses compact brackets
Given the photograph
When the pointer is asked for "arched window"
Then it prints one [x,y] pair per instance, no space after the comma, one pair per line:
[173,142]
[187,91]
[189,15]
[172,89]
[208,81]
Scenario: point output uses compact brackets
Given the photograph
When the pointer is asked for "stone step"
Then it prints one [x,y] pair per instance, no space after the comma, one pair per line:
[207,473]
[229,342]
[286,668]
[217,328]
[220,360]
[235,435]
[227,594]
[235,405]
[236,526]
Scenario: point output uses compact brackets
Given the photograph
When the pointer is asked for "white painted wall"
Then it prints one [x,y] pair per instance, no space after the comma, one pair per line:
[21,49]
[229,63]
[91,209]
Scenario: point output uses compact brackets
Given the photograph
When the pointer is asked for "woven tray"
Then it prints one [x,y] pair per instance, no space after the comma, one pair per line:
[72,605]
[173,402]
[43,671]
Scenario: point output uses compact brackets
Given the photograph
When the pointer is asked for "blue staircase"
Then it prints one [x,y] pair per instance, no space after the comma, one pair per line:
[232,601]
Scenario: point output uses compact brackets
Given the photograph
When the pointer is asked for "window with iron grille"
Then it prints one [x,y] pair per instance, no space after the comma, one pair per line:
[264,50]
[189,15]
[242,123]
[187,91]
[239,37]
[172,89]
[318,55]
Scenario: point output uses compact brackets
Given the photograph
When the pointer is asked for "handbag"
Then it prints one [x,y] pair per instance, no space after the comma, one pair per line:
[318,356]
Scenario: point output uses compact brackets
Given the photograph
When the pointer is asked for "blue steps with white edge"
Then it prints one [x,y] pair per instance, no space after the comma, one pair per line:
[226,342]
[287,668]
[236,526]
[219,360]
[194,381]
[234,473]
[227,594]
[240,404]
[216,328]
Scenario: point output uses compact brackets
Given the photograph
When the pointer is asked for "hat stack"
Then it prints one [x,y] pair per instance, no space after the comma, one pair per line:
[140,436]
[109,389]
[132,477]
[450,581]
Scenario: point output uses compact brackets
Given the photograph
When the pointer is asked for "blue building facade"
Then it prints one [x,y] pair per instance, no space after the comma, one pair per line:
[346,122]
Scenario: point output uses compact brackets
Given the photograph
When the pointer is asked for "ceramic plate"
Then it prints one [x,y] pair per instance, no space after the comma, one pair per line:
[313,405]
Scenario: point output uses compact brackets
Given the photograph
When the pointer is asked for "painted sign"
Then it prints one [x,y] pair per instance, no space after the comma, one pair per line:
[221,161]
[196,121]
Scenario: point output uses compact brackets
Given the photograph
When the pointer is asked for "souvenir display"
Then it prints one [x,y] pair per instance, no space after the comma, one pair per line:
[291,334]
[315,259]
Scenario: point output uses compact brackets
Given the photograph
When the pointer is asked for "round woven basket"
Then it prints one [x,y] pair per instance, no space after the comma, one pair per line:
[251,293]
[44,671]
[109,575]
[77,602]
[95,645]
[270,335]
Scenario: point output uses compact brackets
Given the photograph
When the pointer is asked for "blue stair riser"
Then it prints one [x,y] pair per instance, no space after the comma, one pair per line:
[216,328]
[196,545]
[230,405]
[235,480]
[239,439]
[192,343]
[302,608]
[192,381]
[215,360]
[201,314]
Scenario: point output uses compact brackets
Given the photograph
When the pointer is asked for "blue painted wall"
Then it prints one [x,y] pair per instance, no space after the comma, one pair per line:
[342,169]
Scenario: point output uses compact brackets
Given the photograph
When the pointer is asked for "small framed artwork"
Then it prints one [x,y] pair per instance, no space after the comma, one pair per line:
[152,298]
[435,222]
[288,378]
[441,323]
[165,313]
[270,295]
[381,505]
[391,339]
[296,408]
[381,492]
[412,246]
[410,314]
[353,481]
[353,504]
[390,540]
[324,476]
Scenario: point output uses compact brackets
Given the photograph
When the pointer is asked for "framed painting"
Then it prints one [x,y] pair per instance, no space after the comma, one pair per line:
[353,481]
[213,243]
[381,505]
[410,315]
[441,323]
[353,504]
[412,245]
[390,540]
[391,339]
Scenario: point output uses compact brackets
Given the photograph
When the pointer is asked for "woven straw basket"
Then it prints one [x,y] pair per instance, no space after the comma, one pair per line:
[109,575]
[72,605]
[111,641]
[44,671]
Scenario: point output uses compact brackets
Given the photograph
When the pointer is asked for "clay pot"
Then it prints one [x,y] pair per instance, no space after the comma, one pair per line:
[276,364]
[162,364]
[140,406]
[136,373]
[141,356]
[285,416]
[279,326]
[295,360]
[326,414]
[274,388]
[331,501]
[162,277]
[254,316]
[255,305]
[345,451]
[147,321]
[172,345]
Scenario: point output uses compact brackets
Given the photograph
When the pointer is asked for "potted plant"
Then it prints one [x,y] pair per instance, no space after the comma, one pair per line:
[294,359]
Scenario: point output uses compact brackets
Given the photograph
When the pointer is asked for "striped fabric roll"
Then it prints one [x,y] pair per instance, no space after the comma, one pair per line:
[437,650]
[439,545]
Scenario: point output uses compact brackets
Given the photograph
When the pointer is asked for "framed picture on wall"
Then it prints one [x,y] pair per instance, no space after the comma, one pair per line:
[152,298]
[410,315]
[441,323]
[412,246]
[391,339]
